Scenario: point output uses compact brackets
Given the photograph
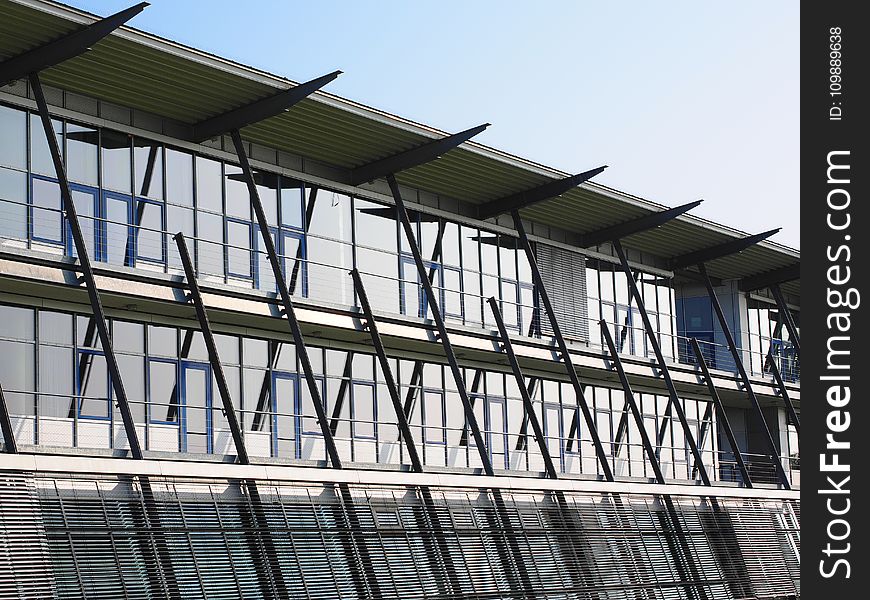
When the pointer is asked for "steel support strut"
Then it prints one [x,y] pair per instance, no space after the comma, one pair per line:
[423,275]
[789,405]
[651,335]
[211,346]
[389,380]
[524,392]
[629,399]
[9,443]
[286,302]
[741,370]
[787,317]
[81,247]
[720,413]
[563,348]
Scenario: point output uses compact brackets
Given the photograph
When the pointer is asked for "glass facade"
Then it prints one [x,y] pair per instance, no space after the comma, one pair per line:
[59,394]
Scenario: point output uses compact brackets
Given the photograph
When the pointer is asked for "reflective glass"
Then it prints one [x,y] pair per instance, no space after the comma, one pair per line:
[238,199]
[450,245]
[375,225]
[209,244]
[117,242]
[209,194]
[148,166]
[40,156]
[162,341]
[13,132]
[93,386]
[46,211]
[82,144]
[363,410]
[128,337]
[16,372]
[16,323]
[179,177]
[117,160]
[56,383]
[332,216]
[163,392]
[149,237]
[238,249]
[13,204]
[178,219]
[291,203]
[470,248]
[55,328]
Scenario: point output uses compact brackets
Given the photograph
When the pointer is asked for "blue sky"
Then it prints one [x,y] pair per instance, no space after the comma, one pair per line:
[684,100]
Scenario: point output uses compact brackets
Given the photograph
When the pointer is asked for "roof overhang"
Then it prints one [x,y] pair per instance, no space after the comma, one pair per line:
[143,71]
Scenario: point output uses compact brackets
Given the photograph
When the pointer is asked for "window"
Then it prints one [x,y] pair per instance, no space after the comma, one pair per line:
[163,392]
[434,417]
[13,204]
[82,146]
[117,161]
[179,177]
[13,132]
[363,410]
[148,168]
[46,216]
[40,155]
[93,386]
[238,249]
[148,231]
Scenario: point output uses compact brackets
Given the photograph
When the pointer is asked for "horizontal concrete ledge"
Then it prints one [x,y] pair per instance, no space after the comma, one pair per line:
[52,464]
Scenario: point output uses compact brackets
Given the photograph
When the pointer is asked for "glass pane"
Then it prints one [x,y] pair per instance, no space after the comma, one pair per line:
[450,245]
[363,411]
[163,392]
[133,373]
[55,328]
[195,401]
[56,381]
[256,352]
[46,211]
[128,337]
[431,229]
[117,231]
[149,239]
[179,177]
[375,225]
[433,406]
[291,203]
[178,219]
[162,341]
[508,257]
[209,244]
[13,132]
[267,189]
[117,162]
[16,373]
[16,323]
[209,195]
[238,248]
[87,335]
[40,156]
[292,251]
[285,416]
[84,201]
[148,164]
[93,386]
[13,204]
[331,217]
[470,249]
[81,146]
[238,199]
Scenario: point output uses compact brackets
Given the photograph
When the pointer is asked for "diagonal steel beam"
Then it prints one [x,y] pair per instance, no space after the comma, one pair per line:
[287,303]
[629,399]
[532,417]
[720,413]
[9,443]
[582,404]
[470,417]
[652,336]
[213,356]
[66,47]
[769,278]
[259,110]
[372,325]
[551,189]
[81,247]
[627,228]
[789,405]
[747,384]
[787,317]
[426,152]
[719,250]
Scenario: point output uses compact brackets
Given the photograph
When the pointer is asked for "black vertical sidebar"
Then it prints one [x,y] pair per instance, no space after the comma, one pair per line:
[833,327]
